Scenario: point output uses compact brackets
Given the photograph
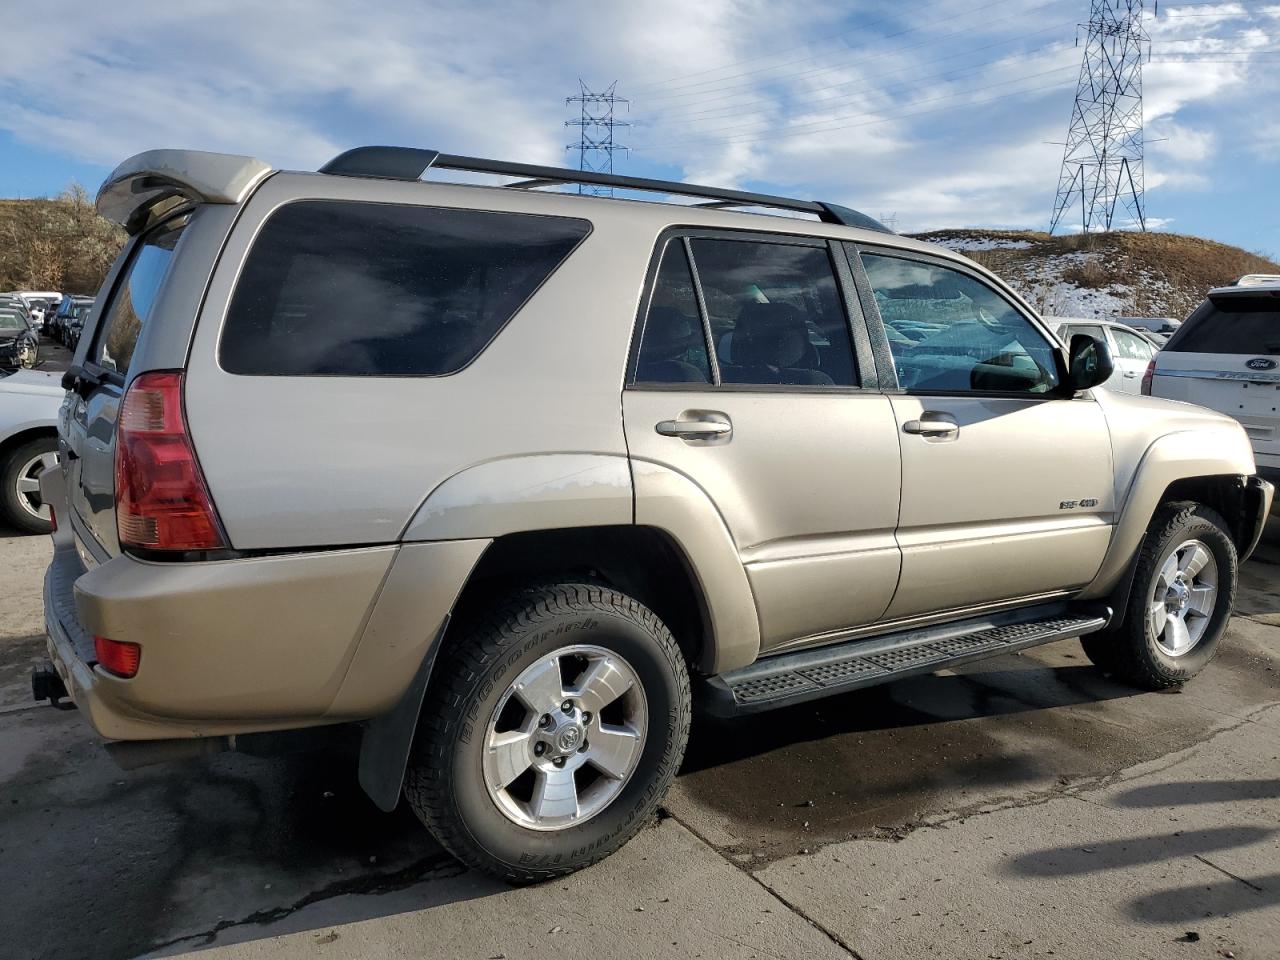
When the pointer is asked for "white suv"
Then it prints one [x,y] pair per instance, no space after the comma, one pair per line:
[1226,356]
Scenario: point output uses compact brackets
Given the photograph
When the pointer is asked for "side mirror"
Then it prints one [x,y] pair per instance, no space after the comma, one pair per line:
[1089,362]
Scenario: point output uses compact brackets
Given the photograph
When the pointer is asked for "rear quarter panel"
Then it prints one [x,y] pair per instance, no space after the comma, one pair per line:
[316,461]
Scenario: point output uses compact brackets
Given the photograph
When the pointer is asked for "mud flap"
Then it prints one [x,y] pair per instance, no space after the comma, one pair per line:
[387,739]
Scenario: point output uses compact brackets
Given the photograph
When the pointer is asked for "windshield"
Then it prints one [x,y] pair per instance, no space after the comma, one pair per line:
[12,321]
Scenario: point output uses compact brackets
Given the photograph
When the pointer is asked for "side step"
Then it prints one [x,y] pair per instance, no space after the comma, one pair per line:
[795,677]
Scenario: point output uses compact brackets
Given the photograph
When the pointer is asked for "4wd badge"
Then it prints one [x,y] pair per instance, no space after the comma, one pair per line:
[1260,363]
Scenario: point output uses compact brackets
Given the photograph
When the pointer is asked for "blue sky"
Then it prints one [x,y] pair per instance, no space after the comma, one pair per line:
[944,113]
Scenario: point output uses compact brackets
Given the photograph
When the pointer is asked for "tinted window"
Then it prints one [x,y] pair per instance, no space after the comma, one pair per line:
[362,289]
[135,295]
[775,312]
[1130,346]
[1231,325]
[950,332]
[673,348]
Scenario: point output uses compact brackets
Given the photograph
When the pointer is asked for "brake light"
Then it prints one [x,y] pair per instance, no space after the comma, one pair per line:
[162,502]
[1146,378]
[118,657]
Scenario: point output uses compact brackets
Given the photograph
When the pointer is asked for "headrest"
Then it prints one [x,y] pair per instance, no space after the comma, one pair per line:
[668,332]
[771,333]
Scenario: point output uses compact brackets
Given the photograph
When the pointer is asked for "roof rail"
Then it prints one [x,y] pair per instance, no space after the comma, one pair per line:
[410,163]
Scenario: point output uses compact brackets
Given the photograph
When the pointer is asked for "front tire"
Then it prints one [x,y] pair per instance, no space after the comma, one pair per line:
[1181,599]
[551,731]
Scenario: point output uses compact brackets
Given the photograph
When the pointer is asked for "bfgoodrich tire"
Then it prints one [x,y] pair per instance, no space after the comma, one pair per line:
[551,731]
[1180,602]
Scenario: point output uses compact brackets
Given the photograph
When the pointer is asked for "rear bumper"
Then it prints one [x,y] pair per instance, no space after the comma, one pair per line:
[248,645]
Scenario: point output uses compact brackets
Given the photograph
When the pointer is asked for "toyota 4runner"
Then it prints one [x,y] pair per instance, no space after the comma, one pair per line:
[505,478]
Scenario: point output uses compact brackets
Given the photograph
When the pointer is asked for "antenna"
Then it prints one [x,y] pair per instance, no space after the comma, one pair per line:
[596,123]
[1102,159]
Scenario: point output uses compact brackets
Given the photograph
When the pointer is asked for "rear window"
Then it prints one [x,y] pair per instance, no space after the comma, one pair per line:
[339,288]
[135,294]
[1243,325]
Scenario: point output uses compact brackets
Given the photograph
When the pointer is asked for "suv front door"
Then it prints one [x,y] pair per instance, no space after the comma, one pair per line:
[744,380]
[1006,482]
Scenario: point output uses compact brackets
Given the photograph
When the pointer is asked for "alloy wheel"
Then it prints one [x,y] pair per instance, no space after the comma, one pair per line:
[1183,598]
[565,738]
[28,483]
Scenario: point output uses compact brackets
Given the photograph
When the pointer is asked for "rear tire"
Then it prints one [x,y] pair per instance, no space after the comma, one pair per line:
[1179,605]
[578,679]
[18,470]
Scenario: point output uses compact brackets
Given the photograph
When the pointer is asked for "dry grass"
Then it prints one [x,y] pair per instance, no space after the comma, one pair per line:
[1168,272]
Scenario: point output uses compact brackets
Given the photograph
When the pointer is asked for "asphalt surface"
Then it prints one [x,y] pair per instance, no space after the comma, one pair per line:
[1024,806]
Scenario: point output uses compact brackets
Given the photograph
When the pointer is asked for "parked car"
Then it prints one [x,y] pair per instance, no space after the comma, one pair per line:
[39,302]
[465,466]
[1131,351]
[29,402]
[19,341]
[74,325]
[69,319]
[1160,328]
[1226,357]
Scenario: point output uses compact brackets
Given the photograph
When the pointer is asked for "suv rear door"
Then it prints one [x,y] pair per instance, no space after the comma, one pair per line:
[102,367]
[1226,356]
[744,380]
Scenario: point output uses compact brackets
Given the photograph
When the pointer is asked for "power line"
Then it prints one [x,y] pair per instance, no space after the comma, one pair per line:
[674,81]
[754,138]
[1102,159]
[858,61]
[915,67]
[596,124]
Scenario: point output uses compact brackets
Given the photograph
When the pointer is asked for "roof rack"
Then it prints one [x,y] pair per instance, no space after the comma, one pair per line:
[410,163]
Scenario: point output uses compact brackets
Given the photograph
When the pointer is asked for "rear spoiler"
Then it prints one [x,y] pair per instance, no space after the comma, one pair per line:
[135,189]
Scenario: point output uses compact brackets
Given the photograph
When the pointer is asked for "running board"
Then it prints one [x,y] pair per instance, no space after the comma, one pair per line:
[795,677]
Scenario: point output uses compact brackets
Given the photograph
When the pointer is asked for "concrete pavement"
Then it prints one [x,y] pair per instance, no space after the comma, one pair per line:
[1022,807]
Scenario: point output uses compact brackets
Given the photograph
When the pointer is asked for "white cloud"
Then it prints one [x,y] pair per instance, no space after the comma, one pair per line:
[941,119]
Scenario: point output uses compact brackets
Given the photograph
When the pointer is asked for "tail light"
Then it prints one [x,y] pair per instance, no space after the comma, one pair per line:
[118,656]
[1146,378]
[162,502]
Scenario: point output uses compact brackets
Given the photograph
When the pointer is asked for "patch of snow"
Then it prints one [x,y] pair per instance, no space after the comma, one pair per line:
[982,243]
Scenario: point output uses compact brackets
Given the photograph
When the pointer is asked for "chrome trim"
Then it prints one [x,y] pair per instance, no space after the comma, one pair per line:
[1248,375]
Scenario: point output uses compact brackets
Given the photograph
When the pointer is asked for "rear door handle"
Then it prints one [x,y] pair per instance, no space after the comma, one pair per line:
[931,425]
[697,425]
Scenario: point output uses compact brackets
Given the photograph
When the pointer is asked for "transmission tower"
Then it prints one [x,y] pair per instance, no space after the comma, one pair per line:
[1102,162]
[595,124]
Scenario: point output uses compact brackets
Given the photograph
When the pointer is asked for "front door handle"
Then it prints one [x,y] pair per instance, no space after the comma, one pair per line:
[932,425]
[697,425]
[1130,374]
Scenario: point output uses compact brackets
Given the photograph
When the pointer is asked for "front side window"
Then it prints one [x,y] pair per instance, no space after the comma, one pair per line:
[775,312]
[338,288]
[134,297]
[951,333]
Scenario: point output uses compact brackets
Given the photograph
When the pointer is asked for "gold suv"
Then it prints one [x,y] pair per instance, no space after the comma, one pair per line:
[507,478]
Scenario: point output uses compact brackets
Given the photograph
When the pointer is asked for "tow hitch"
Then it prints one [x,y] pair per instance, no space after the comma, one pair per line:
[47,685]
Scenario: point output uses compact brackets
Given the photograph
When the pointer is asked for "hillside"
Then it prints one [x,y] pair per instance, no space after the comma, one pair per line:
[58,244]
[1105,274]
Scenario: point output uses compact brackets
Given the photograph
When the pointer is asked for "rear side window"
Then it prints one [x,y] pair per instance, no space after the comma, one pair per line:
[1130,346]
[775,313]
[673,348]
[337,288]
[1235,324]
[135,294]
